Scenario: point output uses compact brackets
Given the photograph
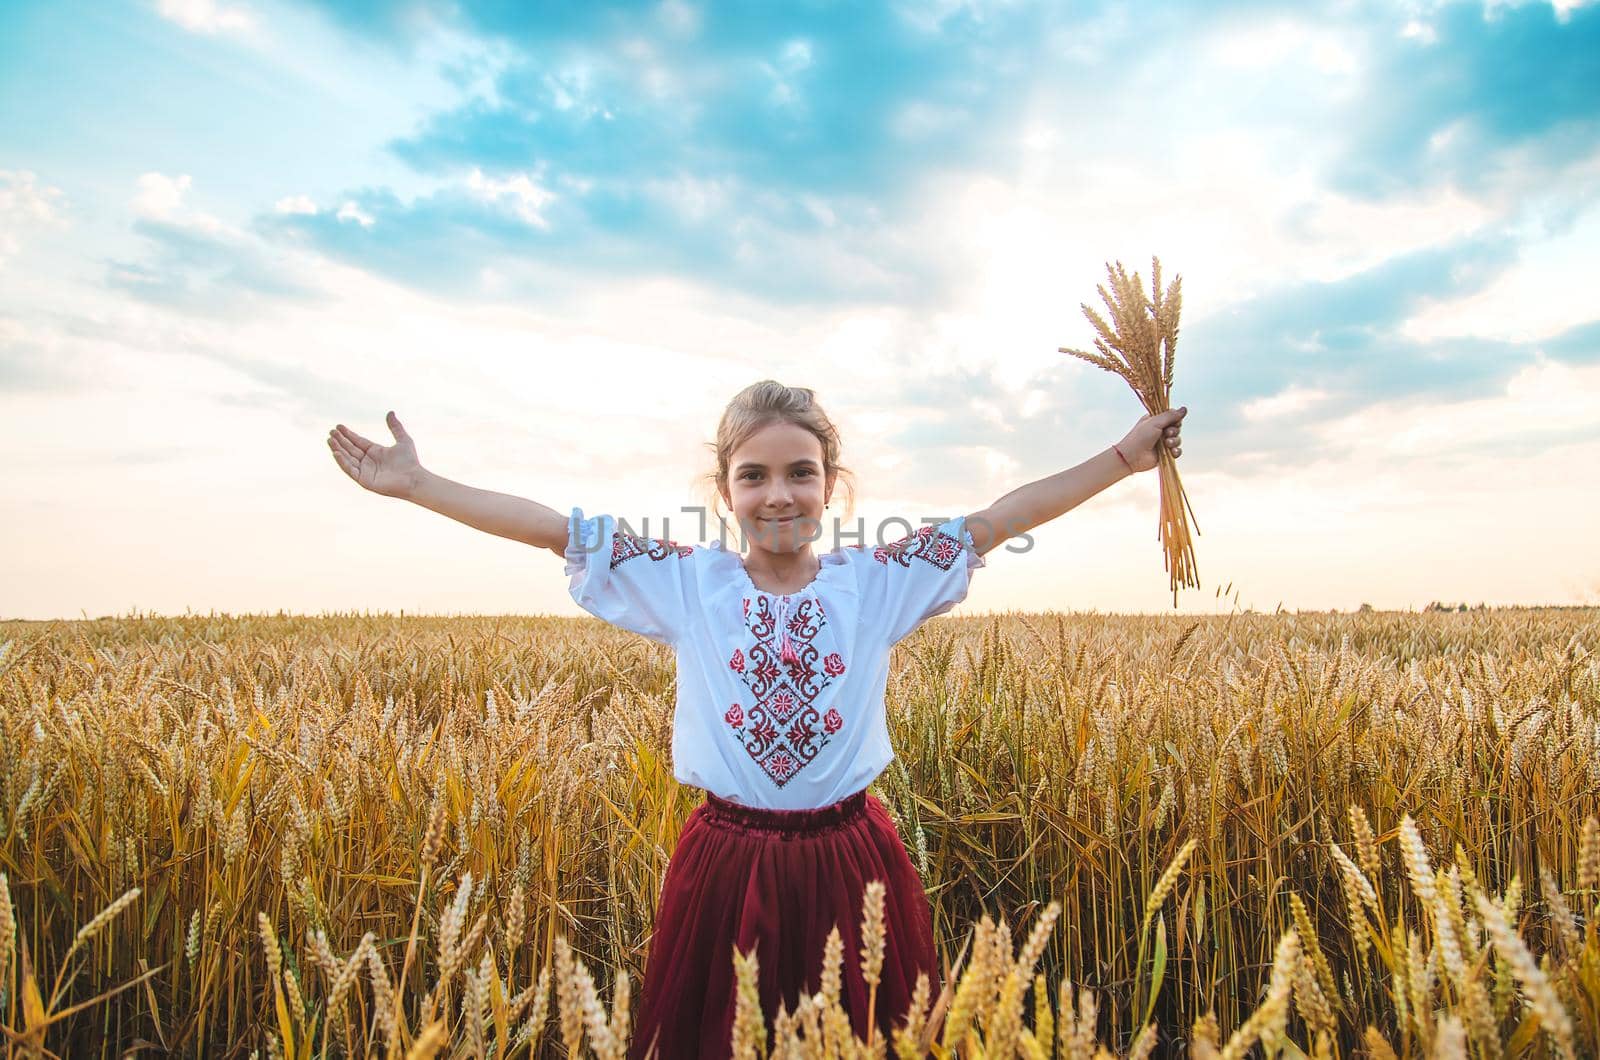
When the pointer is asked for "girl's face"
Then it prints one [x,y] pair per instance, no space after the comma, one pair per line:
[776,487]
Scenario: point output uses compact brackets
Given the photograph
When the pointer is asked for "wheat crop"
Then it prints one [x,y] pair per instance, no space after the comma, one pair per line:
[357,835]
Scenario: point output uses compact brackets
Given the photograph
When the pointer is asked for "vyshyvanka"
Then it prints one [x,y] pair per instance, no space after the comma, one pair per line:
[780,719]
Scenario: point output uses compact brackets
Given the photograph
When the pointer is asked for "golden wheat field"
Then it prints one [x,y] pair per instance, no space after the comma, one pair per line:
[356,835]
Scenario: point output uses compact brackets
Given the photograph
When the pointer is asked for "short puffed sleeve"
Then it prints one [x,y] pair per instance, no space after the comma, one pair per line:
[640,583]
[924,574]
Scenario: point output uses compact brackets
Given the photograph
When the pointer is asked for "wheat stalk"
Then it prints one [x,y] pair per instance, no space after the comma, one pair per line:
[872,942]
[1138,344]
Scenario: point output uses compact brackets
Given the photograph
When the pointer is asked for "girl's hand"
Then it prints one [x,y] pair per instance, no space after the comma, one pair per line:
[1140,446]
[391,470]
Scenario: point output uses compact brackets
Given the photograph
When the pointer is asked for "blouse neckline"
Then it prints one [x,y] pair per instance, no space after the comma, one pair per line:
[825,562]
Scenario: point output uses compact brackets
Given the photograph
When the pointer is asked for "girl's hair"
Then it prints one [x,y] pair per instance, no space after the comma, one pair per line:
[760,405]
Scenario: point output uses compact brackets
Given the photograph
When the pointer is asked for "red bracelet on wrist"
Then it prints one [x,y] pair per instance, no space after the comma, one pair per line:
[1124,459]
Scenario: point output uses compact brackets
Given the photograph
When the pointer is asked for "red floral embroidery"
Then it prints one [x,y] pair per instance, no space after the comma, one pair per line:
[940,550]
[626,546]
[747,607]
[762,730]
[781,767]
[734,716]
[784,730]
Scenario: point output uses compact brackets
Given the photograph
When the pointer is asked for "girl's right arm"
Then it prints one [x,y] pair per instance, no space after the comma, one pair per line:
[394,471]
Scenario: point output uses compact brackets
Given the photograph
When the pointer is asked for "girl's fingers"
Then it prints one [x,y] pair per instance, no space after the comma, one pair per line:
[345,447]
[355,439]
[342,460]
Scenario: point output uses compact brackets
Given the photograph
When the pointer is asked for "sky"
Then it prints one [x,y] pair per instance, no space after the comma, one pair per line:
[557,239]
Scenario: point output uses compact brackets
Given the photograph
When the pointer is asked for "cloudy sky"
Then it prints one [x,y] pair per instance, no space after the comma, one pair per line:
[558,242]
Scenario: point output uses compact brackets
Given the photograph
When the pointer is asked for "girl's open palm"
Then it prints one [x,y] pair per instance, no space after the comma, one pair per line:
[391,470]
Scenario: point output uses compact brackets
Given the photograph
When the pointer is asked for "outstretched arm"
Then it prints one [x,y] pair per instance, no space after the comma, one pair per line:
[394,471]
[1044,499]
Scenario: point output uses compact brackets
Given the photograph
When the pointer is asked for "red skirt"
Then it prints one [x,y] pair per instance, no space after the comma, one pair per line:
[779,881]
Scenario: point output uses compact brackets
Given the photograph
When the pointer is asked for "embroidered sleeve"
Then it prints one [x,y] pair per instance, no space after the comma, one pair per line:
[924,574]
[640,583]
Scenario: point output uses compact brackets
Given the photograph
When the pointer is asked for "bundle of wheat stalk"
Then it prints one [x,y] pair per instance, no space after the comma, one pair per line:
[1138,346]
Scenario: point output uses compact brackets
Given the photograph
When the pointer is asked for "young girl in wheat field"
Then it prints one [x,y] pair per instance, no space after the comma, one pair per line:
[783,658]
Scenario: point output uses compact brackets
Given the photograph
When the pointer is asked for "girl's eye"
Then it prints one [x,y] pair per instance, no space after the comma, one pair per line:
[757,474]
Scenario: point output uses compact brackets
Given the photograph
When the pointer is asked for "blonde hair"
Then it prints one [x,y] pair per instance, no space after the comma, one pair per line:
[760,405]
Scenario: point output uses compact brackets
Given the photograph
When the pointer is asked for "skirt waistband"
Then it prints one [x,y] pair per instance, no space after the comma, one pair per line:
[786,823]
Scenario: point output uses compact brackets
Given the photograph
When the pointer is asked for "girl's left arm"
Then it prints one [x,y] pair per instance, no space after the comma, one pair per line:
[1044,499]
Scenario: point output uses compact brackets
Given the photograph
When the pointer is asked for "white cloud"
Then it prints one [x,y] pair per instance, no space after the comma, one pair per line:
[693,198]
[1541,401]
[295,204]
[1290,399]
[918,119]
[819,209]
[21,196]
[1416,29]
[160,195]
[1034,401]
[1000,465]
[351,211]
[1549,290]
[1283,41]
[572,88]
[207,16]
[524,197]
[795,56]
[25,204]
[793,59]
[929,16]
[679,17]
[1563,8]
[162,198]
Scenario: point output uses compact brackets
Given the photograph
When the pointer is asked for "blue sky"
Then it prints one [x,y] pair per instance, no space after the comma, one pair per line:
[557,238]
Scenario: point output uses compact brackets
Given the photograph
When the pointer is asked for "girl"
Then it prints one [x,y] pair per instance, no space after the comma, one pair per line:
[783,658]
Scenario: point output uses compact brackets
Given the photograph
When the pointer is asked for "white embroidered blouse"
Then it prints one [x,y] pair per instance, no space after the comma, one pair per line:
[780,699]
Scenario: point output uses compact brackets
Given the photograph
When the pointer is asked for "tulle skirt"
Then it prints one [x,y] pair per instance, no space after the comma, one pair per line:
[777,881]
